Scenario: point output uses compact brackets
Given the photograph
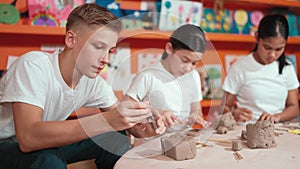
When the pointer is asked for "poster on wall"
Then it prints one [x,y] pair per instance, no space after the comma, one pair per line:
[176,13]
[50,12]
[211,81]
[145,59]
[118,69]
[231,59]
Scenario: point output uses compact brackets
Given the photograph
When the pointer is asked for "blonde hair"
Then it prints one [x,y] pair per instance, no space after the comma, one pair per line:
[92,15]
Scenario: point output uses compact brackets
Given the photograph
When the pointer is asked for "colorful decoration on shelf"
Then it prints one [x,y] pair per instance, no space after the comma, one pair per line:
[222,22]
[139,15]
[246,22]
[111,5]
[255,18]
[176,13]
[50,12]
[240,18]
[9,14]
[44,19]
[20,5]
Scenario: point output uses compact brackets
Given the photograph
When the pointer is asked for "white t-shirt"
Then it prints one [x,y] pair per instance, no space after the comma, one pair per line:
[163,91]
[258,87]
[35,79]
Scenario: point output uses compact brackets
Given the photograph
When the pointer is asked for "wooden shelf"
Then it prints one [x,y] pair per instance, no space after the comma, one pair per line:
[270,3]
[31,30]
[263,5]
[215,37]
[138,34]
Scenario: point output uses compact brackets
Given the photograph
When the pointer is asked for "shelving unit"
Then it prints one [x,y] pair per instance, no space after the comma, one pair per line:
[18,39]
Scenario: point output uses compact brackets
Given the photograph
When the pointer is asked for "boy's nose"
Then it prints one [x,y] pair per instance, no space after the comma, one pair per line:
[105,58]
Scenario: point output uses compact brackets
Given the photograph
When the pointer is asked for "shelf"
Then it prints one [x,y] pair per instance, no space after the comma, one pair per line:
[31,30]
[214,37]
[138,34]
[263,5]
[270,3]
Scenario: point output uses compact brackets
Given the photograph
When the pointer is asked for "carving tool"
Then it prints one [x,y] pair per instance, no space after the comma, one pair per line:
[150,119]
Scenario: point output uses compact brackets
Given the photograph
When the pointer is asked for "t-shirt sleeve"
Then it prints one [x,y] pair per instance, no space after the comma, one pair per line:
[198,94]
[25,82]
[139,86]
[292,80]
[102,95]
[233,80]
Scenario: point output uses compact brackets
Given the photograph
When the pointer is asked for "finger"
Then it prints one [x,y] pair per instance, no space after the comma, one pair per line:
[161,128]
[244,117]
[156,113]
[247,110]
[269,117]
[168,122]
[262,117]
[137,119]
[137,105]
[138,113]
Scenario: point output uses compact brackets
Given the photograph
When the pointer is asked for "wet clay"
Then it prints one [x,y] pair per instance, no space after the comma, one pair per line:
[179,146]
[260,135]
[226,123]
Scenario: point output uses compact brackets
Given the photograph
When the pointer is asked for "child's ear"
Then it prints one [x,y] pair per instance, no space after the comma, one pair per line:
[169,48]
[70,39]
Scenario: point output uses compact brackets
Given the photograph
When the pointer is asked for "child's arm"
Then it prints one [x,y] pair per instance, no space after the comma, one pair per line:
[196,115]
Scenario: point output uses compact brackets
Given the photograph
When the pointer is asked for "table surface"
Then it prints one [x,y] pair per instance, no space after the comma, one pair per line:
[286,154]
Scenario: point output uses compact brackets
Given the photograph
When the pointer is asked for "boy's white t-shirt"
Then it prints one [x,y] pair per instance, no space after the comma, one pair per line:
[35,79]
[258,87]
[163,91]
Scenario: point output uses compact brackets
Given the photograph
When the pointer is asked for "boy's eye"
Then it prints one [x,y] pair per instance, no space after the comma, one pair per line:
[267,48]
[113,50]
[98,47]
[194,63]
[184,60]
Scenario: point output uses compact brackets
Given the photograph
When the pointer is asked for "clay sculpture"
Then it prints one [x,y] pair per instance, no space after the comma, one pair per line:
[226,121]
[179,146]
[260,135]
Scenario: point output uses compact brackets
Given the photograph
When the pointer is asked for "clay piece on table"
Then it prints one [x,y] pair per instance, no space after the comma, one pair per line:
[179,146]
[237,145]
[261,135]
[194,132]
[244,135]
[227,121]
[222,130]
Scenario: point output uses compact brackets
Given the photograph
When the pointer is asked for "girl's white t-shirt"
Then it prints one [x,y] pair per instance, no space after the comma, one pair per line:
[258,87]
[163,91]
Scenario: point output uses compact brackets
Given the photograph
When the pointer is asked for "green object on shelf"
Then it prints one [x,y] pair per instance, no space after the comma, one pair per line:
[9,14]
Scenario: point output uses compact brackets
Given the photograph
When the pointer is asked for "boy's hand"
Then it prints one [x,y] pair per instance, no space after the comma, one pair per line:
[167,118]
[127,114]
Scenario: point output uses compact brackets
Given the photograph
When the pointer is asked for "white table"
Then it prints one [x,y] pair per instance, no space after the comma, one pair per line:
[286,155]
